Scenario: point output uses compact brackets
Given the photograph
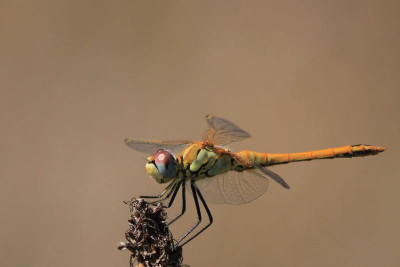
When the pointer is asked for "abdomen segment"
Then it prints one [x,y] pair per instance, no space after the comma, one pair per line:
[267,159]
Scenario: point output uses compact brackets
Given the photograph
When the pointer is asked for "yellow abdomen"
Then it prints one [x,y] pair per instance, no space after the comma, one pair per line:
[267,159]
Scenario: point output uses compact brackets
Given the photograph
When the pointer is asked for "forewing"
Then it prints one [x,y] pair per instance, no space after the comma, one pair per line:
[233,187]
[226,131]
[151,146]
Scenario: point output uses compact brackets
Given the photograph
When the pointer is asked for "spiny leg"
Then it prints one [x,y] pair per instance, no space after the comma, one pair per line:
[170,191]
[175,190]
[210,218]
[162,193]
[171,188]
[183,203]
[196,202]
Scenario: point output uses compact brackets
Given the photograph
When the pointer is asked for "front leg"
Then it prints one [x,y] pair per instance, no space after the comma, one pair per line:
[160,197]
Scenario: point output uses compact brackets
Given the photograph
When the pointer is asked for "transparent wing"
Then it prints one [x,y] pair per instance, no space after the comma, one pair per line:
[272,175]
[151,146]
[225,131]
[233,187]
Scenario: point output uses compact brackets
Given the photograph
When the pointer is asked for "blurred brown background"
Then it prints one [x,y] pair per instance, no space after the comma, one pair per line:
[77,77]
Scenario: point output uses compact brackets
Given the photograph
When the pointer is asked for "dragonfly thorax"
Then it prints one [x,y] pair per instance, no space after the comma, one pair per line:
[200,161]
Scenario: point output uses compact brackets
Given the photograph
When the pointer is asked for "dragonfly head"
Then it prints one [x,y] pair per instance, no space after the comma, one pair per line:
[162,166]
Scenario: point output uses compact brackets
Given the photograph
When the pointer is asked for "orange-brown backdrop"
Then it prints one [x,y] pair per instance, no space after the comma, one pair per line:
[77,77]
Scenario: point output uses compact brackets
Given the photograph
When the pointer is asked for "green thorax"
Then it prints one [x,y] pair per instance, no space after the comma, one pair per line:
[206,161]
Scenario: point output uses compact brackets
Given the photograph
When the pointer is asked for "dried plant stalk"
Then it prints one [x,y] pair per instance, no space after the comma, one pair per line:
[149,239]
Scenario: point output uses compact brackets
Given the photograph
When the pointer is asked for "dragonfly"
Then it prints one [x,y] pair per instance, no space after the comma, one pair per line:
[216,174]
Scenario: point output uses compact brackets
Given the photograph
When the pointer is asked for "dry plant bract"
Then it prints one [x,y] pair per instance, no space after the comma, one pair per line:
[148,237]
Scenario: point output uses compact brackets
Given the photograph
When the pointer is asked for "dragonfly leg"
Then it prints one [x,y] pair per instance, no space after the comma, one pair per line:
[196,202]
[175,190]
[210,218]
[170,189]
[170,192]
[162,193]
[183,204]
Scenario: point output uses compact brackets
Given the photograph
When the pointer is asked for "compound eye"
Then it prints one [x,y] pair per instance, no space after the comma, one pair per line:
[165,163]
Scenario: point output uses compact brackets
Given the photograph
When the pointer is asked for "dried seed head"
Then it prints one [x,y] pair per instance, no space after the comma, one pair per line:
[149,239]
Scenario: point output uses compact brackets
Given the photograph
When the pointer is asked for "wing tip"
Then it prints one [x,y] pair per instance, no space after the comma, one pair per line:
[281,182]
